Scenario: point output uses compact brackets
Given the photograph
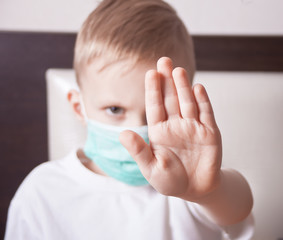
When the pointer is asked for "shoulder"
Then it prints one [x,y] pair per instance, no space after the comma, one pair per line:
[35,197]
[45,177]
[41,188]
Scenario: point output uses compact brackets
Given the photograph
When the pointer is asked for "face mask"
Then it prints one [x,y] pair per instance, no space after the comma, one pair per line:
[104,148]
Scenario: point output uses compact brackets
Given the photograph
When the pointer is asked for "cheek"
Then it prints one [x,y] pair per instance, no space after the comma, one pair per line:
[97,114]
[135,119]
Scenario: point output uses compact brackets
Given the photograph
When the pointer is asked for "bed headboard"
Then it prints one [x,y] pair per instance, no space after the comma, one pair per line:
[24,59]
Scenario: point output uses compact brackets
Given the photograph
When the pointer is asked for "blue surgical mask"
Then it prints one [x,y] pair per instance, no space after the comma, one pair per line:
[105,150]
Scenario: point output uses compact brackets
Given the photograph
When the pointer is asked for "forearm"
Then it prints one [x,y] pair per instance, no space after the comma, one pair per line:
[231,202]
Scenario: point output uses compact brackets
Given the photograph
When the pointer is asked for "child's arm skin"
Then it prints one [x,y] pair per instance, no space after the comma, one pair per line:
[185,152]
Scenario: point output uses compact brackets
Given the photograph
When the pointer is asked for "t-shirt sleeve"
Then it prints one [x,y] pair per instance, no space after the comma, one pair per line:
[19,223]
[22,221]
[243,230]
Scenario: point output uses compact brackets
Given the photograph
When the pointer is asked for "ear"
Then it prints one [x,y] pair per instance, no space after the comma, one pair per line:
[75,102]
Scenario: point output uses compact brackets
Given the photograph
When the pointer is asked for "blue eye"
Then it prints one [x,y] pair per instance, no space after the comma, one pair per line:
[114,110]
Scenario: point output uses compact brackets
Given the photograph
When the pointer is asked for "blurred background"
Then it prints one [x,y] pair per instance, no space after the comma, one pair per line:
[241,17]
[37,35]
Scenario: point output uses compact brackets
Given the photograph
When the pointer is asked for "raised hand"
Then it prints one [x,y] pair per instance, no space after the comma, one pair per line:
[184,155]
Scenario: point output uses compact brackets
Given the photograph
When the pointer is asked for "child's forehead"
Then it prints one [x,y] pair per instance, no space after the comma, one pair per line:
[119,72]
[118,68]
[106,65]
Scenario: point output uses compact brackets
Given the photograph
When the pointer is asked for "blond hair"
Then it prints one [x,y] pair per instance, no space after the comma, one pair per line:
[143,30]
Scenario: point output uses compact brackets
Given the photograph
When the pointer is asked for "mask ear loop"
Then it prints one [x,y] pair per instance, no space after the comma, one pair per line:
[83,109]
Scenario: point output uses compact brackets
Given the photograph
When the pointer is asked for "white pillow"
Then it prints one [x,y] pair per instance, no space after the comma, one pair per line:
[65,131]
[248,107]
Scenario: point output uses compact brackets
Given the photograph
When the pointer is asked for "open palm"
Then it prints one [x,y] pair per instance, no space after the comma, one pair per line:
[184,155]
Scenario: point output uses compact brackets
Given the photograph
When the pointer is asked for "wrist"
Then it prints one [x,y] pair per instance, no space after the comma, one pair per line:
[231,201]
[208,193]
[213,193]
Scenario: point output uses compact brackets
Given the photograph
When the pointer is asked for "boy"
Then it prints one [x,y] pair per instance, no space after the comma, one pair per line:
[175,187]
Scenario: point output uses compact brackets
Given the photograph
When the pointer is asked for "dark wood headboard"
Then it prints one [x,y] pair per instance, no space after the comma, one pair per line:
[24,58]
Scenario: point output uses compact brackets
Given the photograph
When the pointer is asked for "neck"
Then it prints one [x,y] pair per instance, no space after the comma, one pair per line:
[88,163]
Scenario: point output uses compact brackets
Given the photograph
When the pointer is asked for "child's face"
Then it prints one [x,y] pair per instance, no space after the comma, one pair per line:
[115,95]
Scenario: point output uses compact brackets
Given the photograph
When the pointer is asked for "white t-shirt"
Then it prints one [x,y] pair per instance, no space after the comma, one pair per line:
[64,200]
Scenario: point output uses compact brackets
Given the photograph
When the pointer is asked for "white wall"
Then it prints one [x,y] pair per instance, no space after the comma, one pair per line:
[256,17]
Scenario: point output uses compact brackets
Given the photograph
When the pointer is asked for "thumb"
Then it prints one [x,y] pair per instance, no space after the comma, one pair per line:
[138,149]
